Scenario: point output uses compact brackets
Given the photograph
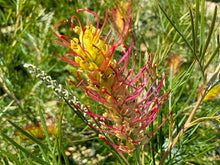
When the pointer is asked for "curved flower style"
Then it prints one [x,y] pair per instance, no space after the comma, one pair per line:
[131,98]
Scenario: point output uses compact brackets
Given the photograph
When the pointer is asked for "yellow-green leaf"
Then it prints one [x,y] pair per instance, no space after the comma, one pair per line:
[37,131]
[214,92]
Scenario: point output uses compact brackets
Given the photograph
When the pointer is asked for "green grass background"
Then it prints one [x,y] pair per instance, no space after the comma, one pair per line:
[26,37]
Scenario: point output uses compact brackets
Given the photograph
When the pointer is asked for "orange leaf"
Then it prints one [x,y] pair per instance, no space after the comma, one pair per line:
[120,10]
[175,61]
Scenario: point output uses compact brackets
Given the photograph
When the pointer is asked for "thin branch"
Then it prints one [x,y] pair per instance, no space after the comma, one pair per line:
[183,129]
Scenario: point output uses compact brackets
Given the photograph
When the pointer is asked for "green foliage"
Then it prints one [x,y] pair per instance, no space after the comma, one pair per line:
[188,29]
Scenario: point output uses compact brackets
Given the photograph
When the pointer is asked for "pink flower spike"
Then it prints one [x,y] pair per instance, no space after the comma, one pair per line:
[131,97]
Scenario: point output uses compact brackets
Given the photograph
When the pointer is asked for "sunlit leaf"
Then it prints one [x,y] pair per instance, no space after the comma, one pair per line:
[37,131]
[214,92]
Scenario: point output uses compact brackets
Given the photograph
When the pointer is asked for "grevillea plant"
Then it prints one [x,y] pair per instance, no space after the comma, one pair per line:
[131,98]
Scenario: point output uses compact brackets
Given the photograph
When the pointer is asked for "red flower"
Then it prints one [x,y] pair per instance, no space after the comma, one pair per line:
[132,98]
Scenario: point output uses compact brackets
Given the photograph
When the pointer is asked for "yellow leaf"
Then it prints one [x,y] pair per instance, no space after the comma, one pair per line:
[37,131]
[214,92]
